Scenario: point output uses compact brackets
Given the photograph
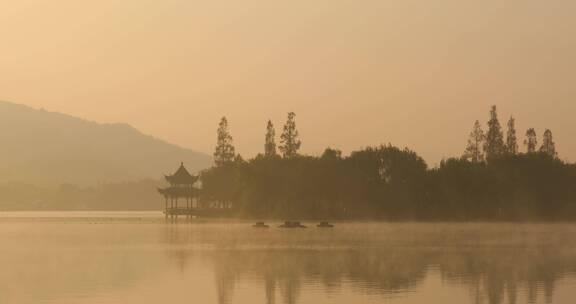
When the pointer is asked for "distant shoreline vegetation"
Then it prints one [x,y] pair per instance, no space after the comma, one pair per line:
[492,180]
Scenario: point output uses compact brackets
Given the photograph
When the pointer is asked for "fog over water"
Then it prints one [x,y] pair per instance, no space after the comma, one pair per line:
[134,257]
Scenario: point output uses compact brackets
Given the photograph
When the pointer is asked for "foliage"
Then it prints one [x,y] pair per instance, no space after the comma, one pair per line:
[494,144]
[473,150]
[290,144]
[511,140]
[387,182]
[548,146]
[270,141]
[531,141]
[224,152]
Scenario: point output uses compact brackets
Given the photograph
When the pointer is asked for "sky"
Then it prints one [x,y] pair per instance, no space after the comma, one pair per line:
[413,73]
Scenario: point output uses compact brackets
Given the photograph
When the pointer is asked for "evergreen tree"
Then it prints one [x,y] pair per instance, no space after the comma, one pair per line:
[290,144]
[225,151]
[548,146]
[531,141]
[473,150]
[270,141]
[494,145]
[511,141]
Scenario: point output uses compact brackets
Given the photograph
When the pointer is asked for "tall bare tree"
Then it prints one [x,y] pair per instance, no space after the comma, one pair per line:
[494,144]
[290,144]
[511,140]
[270,141]
[548,146]
[225,151]
[473,150]
[531,141]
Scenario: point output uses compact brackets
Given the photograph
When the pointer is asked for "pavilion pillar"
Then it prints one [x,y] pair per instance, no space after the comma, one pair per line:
[189,208]
[172,208]
[176,208]
[189,205]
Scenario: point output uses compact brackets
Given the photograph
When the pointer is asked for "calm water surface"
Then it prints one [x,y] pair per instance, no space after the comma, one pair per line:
[135,257]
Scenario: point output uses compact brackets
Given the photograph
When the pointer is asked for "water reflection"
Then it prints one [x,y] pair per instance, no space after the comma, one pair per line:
[496,264]
[149,261]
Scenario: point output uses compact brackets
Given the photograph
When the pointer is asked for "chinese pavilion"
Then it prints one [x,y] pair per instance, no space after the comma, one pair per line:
[181,187]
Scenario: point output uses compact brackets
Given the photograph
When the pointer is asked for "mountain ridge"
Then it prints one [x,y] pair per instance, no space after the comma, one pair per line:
[44,147]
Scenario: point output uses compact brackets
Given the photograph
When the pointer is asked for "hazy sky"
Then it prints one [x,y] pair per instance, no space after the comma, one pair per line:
[415,73]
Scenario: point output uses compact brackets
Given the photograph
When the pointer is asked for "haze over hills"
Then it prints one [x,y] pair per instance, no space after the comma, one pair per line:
[49,148]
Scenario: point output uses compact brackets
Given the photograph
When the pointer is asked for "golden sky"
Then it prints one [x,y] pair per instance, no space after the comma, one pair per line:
[415,73]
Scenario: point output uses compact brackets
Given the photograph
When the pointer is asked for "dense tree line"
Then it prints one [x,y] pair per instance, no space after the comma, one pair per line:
[492,180]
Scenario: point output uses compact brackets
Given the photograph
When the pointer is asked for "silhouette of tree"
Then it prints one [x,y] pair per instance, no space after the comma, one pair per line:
[290,144]
[473,150]
[511,140]
[225,151]
[531,141]
[270,141]
[548,146]
[386,178]
[238,159]
[222,184]
[389,182]
[494,145]
[330,153]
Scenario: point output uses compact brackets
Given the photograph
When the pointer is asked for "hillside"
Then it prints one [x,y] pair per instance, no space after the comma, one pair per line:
[47,148]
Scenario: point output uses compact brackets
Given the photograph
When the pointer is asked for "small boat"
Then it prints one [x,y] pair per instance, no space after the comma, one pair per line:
[325,225]
[290,224]
[260,225]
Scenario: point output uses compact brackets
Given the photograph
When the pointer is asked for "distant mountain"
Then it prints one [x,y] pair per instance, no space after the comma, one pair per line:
[48,148]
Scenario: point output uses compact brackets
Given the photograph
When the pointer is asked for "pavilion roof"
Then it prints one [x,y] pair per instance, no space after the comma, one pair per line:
[181,177]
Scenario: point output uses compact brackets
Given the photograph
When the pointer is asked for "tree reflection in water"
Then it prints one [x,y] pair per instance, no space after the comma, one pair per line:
[495,263]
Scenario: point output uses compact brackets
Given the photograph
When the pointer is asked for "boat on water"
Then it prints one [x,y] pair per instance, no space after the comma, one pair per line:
[325,225]
[292,224]
[260,225]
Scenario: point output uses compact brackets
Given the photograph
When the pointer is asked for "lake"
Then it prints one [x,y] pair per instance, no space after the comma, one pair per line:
[137,257]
